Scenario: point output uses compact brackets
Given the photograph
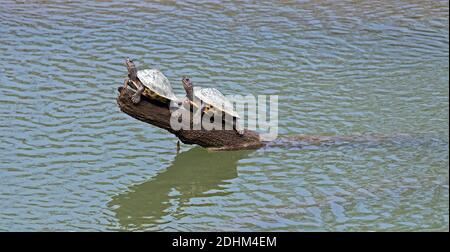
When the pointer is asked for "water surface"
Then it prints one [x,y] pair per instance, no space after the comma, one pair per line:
[70,160]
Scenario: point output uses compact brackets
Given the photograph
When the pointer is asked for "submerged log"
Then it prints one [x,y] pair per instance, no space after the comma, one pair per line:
[158,114]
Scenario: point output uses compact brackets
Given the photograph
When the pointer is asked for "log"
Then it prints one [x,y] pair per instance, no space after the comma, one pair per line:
[159,114]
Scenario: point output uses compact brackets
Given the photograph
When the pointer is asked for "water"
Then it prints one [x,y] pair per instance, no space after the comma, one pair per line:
[70,160]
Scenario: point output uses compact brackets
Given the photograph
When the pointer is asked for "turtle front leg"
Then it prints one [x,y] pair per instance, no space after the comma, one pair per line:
[194,111]
[239,128]
[136,98]
[125,84]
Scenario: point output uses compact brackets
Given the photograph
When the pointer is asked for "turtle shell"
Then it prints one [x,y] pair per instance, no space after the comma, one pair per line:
[157,83]
[215,98]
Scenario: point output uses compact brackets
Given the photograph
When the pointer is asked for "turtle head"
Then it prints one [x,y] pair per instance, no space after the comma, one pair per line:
[129,63]
[188,87]
[132,71]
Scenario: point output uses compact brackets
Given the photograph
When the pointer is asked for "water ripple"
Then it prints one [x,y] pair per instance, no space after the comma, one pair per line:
[72,161]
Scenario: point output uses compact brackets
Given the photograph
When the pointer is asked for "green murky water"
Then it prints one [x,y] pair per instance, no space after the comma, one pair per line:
[70,160]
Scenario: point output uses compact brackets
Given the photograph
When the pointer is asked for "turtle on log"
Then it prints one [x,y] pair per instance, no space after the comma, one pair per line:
[211,101]
[150,83]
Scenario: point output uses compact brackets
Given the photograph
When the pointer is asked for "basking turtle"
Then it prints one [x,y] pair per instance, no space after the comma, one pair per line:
[213,101]
[150,83]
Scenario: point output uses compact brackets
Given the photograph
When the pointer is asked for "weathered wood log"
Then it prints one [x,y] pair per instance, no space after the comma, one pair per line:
[158,114]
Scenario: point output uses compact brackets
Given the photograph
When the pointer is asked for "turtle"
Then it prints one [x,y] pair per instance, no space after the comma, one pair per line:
[213,101]
[151,83]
